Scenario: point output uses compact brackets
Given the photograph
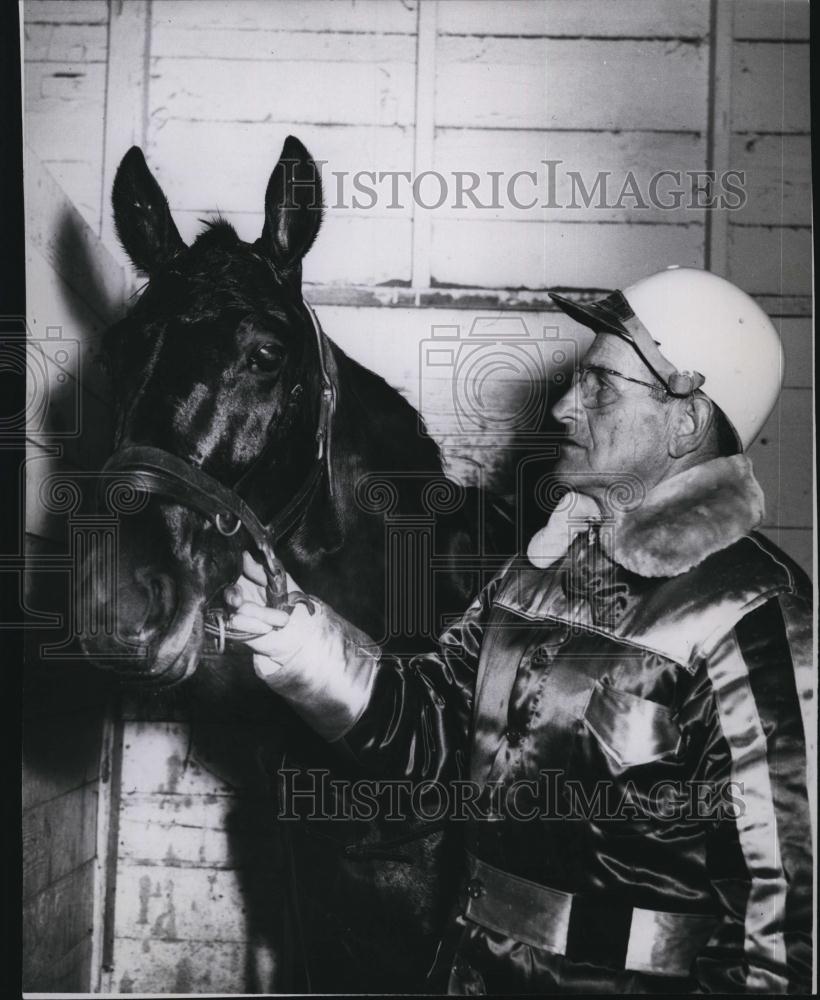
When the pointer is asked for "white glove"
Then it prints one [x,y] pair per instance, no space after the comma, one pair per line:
[321,663]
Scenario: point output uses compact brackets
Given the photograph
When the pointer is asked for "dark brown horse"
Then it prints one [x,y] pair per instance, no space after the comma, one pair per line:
[221,365]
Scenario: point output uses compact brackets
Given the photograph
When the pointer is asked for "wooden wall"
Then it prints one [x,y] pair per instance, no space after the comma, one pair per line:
[73,290]
[211,89]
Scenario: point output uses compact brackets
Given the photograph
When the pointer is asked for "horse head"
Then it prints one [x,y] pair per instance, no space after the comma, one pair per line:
[216,365]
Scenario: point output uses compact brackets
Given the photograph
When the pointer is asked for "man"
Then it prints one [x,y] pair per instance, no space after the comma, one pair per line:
[626,697]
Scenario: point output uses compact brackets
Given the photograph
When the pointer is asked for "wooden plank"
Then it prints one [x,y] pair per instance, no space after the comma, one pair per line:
[424,138]
[71,973]
[772,19]
[349,250]
[368,16]
[771,260]
[520,299]
[274,44]
[535,255]
[55,922]
[126,102]
[180,967]
[720,126]
[798,343]
[85,12]
[554,83]
[576,18]
[782,458]
[778,179]
[582,157]
[377,93]
[58,315]
[241,155]
[770,87]
[41,463]
[158,758]
[59,836]
[73,43]
[155,904]
[56,229]
[189,831]
[59,756]
[798,543]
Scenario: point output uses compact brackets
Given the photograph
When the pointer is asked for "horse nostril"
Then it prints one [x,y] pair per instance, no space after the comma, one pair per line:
[159,593]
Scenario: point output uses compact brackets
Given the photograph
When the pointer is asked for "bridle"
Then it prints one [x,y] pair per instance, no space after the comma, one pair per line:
[152,470]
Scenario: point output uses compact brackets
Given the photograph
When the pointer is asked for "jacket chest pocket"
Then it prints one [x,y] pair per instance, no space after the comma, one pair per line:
[630,730]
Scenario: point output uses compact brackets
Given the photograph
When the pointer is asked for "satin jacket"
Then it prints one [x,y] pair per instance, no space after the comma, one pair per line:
[628,701]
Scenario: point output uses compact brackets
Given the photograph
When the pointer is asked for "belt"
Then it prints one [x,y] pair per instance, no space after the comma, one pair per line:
[585,928]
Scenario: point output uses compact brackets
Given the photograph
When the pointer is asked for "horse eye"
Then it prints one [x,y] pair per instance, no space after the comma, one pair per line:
[266,358]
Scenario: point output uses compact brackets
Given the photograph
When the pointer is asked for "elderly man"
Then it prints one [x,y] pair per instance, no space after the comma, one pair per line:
[626,697]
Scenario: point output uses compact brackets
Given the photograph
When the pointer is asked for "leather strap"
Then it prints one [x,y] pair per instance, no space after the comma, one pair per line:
[585,929]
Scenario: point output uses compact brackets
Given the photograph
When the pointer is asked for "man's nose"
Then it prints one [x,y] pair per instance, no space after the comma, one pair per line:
[566,409]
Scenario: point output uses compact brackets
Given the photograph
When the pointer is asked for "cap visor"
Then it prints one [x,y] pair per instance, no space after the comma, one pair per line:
[598,316]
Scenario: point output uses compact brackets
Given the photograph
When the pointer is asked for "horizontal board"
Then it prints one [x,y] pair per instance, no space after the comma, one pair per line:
[180,967]
[179,904]
[782,458]
[348,250]
[55,228]
[58,837]
[535,255]
[158,758]
[60,12]
[771,260]
[59,755]
[372,93]
[241,155]
[578,18]
[369,16]
[778,179]
[188,831]
[798,341]
[770,87]
[772,19]
[74,43]
[273,44]
[54,923]
[553,83]
[798,543]
[595,178]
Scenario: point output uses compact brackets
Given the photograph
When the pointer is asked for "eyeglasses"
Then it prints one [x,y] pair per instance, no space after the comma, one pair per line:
[596,391]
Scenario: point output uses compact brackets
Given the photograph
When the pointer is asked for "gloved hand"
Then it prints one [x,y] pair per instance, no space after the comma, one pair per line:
[319,662]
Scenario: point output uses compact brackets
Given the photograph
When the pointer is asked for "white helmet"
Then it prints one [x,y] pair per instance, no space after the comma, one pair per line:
[697,330]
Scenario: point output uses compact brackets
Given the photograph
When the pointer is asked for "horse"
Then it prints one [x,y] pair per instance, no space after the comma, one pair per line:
[261,433]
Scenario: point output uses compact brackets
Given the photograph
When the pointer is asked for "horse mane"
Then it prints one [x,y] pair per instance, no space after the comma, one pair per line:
[394,425]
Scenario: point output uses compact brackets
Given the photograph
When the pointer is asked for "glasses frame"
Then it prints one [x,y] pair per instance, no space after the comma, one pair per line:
[580,371]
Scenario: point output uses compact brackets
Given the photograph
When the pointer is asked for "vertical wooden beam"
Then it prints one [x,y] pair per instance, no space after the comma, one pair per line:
[424,136]
[126,98]
[719,136]
[108,813]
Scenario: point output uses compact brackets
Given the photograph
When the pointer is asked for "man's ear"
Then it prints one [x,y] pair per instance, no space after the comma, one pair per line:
[141,215]
[293,207]
[692,424]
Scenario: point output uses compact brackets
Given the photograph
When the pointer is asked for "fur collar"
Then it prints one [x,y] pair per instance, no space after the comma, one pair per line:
[679,523]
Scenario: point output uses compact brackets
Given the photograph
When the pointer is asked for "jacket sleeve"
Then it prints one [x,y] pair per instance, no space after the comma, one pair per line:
[759,852]
[416,723]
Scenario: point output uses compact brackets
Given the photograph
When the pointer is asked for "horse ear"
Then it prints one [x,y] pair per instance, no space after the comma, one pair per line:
[141,215]
[293,206]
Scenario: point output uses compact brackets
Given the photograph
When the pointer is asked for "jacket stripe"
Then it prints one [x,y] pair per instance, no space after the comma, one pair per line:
[757,826]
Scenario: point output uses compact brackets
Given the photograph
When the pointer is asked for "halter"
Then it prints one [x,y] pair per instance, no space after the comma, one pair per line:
[153,470]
